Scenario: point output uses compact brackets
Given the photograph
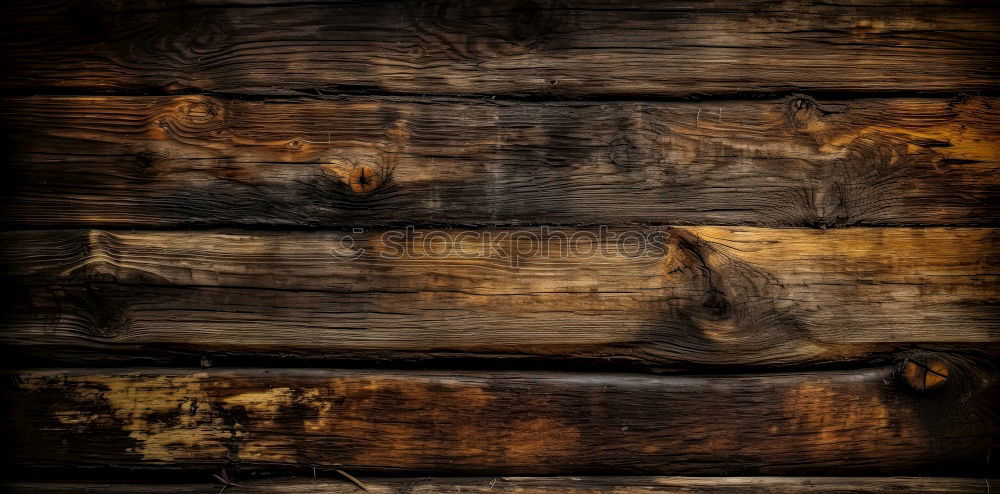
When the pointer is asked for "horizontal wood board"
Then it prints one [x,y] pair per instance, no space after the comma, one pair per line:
[716,296]
[496,423]
[318,163]
[540,48]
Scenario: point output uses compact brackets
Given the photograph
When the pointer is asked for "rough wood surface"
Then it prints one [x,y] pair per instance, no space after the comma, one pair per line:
[546,485]
[534,47]
[721,296]
[198,160]
[793,351]
[497,423]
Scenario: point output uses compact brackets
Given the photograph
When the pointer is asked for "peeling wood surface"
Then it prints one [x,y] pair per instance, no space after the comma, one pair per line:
[547,48]
[717,296]
[497,423]
[548,485]
[202,160]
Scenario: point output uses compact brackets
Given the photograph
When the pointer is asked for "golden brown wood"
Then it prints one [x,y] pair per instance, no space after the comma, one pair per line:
[548,485]
[199,160]
[715,296]
[926,375]
[834,422]
[543,48]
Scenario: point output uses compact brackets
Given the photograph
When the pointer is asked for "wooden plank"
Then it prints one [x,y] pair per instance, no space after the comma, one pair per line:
[198,160]
[497,423]
[523,47]
[545,485]
[714,296]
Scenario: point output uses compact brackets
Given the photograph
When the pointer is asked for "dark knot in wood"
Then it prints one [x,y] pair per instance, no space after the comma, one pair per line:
[365,179]
[108,315]
[925,375]
[801,112]
[800,104]
[145,160]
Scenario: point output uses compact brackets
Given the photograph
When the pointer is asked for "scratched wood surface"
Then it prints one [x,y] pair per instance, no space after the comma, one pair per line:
[197,160]
[522,47]
[544,485]
[843,422]
[665,297]
[211,195]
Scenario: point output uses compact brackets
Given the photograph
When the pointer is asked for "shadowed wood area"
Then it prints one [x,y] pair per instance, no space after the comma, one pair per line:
[713,296]
[200,160]
[520,47]
[833,422]
[550,485]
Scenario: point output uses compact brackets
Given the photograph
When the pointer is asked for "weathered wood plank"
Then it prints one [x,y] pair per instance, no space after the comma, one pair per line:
[832,422]
[197,160]
[716,296]
[546,485]
[524,47]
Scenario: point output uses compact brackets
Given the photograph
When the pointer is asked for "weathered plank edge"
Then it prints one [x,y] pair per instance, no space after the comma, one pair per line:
[900,419]
[541,485]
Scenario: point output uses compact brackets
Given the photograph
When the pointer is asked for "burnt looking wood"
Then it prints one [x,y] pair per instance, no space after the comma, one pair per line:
[506,423]
[543,485]
[540,48]
[305,162]
[184,288]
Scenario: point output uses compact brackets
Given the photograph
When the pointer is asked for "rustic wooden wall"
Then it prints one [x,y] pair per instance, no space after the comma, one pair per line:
[196,273]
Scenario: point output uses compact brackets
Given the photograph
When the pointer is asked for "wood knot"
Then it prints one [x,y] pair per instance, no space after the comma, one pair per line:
[925,375]
[190,117]
[108,315]
[803,114]
[296,144]
[196,111]
[145,160]
[365,179]
[201,111]
[622,152]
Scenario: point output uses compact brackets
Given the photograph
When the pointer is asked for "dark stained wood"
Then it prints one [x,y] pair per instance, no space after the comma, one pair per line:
[198,160]
[497,423]
[546,485]
[712,296]
[764,344]
[524,47]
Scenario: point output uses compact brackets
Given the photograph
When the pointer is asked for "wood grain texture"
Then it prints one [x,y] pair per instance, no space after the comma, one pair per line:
[545,485]
[524,47]
[497,423]
[199,160]
[714,296]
